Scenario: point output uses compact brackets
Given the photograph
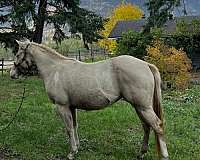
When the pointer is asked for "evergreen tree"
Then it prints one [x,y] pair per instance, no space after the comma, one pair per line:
[159,11]
[27,18]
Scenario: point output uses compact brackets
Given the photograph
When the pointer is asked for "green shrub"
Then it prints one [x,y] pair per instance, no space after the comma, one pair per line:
[187,36]
[135,43]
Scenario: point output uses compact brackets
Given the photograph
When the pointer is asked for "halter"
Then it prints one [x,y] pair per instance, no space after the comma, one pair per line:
[20,68]
[23,59]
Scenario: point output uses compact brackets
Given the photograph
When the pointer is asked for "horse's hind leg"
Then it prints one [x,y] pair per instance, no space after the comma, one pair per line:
[66,114]
[149,117]
[145,145]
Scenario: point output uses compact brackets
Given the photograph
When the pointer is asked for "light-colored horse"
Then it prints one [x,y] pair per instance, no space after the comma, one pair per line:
[72,85]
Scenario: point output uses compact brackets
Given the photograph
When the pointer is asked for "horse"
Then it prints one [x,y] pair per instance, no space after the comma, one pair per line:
[71,85]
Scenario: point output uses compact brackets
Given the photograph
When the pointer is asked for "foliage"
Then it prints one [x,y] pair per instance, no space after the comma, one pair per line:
[81,21]
[188,28]
[159,12]
[173,64]
[135,43]
[27,19]
[89,25]
[187,37]
[121,12]
[114,133]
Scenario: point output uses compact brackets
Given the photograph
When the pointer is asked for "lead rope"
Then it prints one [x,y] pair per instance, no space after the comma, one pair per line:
[17,111]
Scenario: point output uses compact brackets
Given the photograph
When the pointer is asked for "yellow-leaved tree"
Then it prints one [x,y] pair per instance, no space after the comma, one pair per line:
[173,64]
[121,12]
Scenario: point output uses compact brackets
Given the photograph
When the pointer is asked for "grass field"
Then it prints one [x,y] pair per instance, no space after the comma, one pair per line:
[114,133]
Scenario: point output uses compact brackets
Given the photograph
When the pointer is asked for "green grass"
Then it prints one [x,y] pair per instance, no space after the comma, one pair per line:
[114,133]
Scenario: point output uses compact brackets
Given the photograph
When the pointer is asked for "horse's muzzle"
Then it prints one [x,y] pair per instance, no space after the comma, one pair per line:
[14,77]
[13,73]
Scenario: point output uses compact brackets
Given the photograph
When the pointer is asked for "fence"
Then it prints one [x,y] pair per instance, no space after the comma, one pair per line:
[94,54]
[89,56]
[5,65]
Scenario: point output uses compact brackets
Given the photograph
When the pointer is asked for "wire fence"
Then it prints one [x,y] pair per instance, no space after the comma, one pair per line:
[89,56]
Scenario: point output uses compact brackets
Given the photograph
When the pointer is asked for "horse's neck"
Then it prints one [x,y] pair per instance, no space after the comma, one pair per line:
[45,62]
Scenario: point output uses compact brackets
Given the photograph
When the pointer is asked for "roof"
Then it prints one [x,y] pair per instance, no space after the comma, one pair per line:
[137,25]
[125,26]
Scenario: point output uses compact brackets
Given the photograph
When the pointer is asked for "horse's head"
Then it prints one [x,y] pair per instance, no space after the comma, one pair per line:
[23,59]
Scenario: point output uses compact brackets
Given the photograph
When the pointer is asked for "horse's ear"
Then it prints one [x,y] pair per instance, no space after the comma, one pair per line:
[27,41]
[23,44]
[18,42]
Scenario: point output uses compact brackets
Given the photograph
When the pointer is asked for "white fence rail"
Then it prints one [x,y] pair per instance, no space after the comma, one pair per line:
[5,65]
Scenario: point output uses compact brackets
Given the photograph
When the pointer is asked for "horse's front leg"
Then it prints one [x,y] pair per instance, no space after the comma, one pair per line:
[75,124]
[67,116]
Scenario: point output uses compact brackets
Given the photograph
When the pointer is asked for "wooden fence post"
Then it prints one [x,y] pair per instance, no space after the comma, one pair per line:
[104,52]
[2,64]
[92,55]
[79,55]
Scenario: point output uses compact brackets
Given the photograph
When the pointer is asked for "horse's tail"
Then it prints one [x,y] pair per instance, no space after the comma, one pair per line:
[157,101]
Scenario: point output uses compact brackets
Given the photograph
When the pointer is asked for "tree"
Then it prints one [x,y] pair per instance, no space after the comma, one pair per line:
[160,11]
[40,21]
[121,12]
[187,36]
[27,18]
[14,20]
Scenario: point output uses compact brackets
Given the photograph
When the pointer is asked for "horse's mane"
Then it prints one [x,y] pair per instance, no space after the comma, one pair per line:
[51,51]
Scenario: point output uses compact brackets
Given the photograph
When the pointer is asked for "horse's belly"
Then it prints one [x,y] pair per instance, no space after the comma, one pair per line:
[95,100]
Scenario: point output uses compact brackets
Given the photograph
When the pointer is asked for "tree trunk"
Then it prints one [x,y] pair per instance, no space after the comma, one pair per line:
[40,22]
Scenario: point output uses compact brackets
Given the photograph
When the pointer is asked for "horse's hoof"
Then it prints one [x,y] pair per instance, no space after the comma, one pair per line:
[70,156]
[140,157]
[165,158]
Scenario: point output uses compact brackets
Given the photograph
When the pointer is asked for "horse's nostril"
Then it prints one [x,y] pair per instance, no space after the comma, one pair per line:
[12,77]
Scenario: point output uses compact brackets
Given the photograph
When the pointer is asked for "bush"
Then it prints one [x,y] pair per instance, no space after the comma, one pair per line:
[173,64]
[135,43]
[187,36]
[132,43]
